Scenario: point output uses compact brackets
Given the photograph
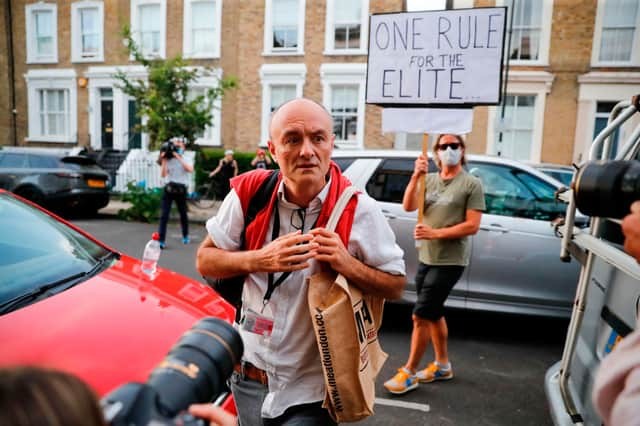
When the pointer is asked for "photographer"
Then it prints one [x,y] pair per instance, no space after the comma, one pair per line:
[32,396]
[616,391]
[175,170]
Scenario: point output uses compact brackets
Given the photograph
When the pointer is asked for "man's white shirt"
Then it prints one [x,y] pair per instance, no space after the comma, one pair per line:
[290,355]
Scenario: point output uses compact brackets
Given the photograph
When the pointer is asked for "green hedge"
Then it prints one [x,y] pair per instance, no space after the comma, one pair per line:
[207,159]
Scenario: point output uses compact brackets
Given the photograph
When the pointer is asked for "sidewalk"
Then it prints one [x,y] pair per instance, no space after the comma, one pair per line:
[195,214]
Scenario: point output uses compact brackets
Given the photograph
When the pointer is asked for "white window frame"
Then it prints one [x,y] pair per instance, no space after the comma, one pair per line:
[268,49]
[214,130]
[329,34]
[597,87]
[187,42]
[545,35]
[346,74]
[597,40]
[54,79]
[537,83]
[278,74]
[135,4]
[76,31]
[32,55]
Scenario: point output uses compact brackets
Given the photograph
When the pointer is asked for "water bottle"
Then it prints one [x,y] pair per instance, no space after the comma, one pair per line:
[151,254]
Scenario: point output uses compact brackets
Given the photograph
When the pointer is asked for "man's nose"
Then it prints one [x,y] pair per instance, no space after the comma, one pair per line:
[306,150]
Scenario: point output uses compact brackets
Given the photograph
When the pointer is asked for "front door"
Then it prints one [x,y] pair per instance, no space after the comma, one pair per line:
[106,118]
[135,137]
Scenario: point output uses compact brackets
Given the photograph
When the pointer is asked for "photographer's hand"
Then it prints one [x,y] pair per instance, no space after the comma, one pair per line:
[631,231]
[217,416]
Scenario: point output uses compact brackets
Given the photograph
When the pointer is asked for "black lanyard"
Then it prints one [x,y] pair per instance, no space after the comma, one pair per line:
[271,285]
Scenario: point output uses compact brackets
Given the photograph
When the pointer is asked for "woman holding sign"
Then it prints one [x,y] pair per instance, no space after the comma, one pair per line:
[453,204]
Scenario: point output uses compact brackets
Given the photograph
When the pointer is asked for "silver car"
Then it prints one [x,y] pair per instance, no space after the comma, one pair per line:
[515,265]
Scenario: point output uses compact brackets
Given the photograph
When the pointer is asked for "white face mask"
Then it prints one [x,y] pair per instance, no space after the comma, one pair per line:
[450,157]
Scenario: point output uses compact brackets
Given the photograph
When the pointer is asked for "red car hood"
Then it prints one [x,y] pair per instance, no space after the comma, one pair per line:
[111,329]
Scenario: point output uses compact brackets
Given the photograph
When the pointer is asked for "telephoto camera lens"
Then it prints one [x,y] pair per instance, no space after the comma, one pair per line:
[198,365]
[607,189]
[194,371]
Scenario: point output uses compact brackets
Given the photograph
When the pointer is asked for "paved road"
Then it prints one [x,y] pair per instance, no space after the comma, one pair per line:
[499,360]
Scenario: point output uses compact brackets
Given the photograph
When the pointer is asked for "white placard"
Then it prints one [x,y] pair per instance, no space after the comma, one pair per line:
[427,120]
[451,57]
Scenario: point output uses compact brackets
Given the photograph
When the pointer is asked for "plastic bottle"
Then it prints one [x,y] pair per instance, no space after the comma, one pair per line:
[151,254]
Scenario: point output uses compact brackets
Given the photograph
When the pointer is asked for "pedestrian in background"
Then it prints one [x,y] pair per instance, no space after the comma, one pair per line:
[228,168]
[261,160]
[175,170]
[453,206]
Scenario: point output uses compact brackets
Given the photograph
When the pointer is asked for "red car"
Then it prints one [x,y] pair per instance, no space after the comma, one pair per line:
[69,302]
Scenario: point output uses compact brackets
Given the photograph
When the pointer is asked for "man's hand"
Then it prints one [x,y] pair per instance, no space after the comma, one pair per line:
[424,232]
[331,249]
[631,231]
[289,252]
[177,156]
[217,416]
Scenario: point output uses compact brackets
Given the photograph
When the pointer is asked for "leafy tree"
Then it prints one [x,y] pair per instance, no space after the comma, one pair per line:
[164,98]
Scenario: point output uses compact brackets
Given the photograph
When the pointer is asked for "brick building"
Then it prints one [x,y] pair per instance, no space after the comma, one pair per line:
[570,62]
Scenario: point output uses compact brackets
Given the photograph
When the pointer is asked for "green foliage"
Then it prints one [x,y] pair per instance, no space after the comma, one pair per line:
[208,158]
[164,99]
[145,203]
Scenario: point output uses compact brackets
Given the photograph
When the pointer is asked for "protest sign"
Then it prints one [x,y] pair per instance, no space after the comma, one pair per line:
[436,58]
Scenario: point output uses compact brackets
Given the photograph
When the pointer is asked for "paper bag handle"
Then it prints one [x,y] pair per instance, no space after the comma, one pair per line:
[339,207]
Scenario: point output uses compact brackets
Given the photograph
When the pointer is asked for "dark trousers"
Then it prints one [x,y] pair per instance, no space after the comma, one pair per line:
[181,202]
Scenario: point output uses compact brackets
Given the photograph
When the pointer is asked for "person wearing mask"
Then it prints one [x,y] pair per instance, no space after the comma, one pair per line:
[261,160]
[280,379]
[228,168]
[616,390]
[453,205]
[175,170]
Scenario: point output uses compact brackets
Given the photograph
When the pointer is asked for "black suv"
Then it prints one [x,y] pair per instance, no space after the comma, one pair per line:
[54,179]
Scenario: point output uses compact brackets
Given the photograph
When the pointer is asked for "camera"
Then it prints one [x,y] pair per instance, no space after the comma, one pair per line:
[607,189]
[194,371]
[168,148]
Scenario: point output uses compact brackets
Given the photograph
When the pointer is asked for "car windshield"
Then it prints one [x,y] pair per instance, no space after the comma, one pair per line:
[36,251]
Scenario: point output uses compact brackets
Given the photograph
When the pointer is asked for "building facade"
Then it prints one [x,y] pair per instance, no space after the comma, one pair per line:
[570,62]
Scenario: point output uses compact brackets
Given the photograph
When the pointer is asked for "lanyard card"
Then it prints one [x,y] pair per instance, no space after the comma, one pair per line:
[257,323]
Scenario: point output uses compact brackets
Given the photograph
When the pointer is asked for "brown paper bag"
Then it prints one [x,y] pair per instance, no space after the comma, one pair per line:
[346,323]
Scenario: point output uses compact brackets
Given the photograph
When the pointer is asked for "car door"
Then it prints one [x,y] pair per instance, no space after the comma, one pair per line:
[515,264]
[12,168]
[387,185]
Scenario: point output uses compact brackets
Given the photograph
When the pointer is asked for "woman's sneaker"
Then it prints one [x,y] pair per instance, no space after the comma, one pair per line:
[402,382]
[434,372]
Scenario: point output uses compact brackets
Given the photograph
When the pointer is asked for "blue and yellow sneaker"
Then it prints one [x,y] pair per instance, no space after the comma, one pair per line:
[402,382]
[434,372]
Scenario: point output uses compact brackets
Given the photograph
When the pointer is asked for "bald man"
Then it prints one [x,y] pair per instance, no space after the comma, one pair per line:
[281,381]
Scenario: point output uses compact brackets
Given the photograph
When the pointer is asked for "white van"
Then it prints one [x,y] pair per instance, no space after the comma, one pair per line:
[607,296]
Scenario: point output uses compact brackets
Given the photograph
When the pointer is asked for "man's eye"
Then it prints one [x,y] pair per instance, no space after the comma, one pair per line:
[291,140]
[319,138]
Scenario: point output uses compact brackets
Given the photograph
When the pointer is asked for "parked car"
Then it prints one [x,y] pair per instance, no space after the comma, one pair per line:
[561,173]
[514,265]
[69,302]
[53,179]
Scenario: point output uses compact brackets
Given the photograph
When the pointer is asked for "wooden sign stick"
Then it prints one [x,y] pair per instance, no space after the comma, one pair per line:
[421,189]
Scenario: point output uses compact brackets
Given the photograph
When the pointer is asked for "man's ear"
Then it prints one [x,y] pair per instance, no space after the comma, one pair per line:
[272,150]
